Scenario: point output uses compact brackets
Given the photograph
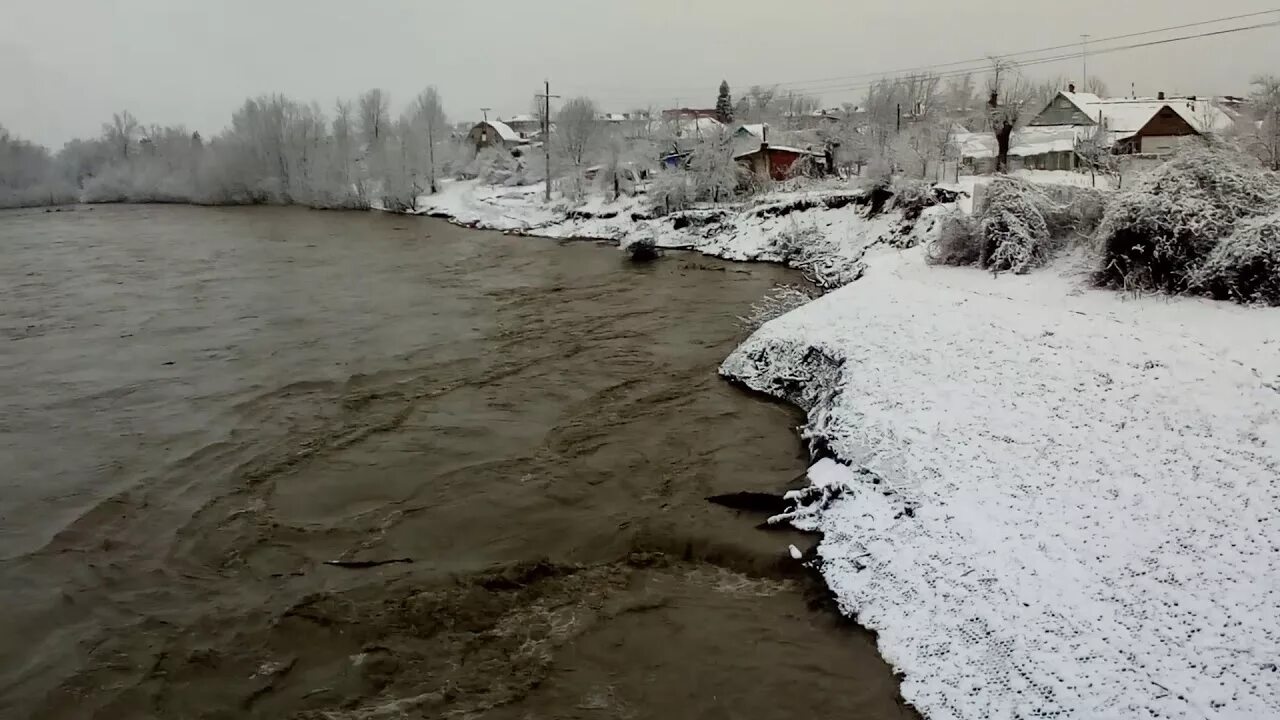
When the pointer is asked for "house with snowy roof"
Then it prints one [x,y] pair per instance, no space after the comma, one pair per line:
[526,126]
[1148,126]
[495,133]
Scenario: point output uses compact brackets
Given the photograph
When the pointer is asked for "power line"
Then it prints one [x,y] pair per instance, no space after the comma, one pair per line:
[984,61]
[983,69]
[1015,55]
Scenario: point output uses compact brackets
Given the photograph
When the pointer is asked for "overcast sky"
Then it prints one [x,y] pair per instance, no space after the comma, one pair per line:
[68,64]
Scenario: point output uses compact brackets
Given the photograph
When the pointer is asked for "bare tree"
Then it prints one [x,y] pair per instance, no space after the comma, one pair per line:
[960,95]
[577,128]
[920,93]
[762,103]
[716,174]
[374,116]
[121,133]
[1264,140]
[428,122]
[1008,95]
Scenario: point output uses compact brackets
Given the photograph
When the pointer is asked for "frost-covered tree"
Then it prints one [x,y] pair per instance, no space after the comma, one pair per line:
[617,167]
[374,116]
[1264,139]
[762,103]
[577,128]
[724,104]
[121,133]
[29,176]
[1008,96]
[716,175]
[428,123]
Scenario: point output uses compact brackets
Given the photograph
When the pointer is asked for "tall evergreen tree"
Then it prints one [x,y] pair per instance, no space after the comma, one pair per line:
[724,104]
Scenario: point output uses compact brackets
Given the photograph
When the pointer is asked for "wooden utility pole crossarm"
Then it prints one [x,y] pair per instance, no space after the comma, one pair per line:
[546,131]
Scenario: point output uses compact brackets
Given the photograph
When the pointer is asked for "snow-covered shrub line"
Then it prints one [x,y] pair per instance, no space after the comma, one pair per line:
[779,301]
[1244,266]
[1158,235]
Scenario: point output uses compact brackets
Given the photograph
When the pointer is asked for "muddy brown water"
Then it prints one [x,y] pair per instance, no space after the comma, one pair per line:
[204,406]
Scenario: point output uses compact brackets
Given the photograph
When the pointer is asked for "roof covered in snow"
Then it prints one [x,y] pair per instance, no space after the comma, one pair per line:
[698,126]
[976,144]
[1025,142]
[779,148]
[504,130]
[1041,140]
[756,129]
[1125,116]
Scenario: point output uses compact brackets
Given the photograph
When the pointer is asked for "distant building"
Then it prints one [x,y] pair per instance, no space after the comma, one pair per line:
[1125,126]
[493,133]
[689,113]
[1150,126]
[812,120]
[526,126]
[779,162]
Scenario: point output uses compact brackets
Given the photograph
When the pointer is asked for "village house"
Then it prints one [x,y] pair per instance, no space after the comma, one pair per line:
[1121,126]
[1128,126]
[526,126]
[779,162]
[685,113]
[494,133]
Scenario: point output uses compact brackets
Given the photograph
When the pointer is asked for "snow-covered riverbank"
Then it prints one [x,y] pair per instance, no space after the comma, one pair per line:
[823,229]
[1048,500]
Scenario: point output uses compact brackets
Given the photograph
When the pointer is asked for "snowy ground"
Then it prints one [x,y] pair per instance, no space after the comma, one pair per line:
[1058,503]
[836,238]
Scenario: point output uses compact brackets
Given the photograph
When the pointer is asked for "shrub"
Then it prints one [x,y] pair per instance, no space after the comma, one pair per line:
[1159,234]
[1012,228]
[779,301]
[957,241]
[796,243]
[670,191]
[1244,266]
[492,165]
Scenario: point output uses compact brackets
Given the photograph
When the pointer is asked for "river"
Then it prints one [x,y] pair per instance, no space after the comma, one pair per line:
[504,443]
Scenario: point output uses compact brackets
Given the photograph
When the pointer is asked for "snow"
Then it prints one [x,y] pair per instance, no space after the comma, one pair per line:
[1125,116]
[781,148]
[795,552]
[1040,140]
[756,130]
[1058,502]
[697,127]
[504,131]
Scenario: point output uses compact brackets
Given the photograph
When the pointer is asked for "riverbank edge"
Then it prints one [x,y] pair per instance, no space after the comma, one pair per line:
[737,234]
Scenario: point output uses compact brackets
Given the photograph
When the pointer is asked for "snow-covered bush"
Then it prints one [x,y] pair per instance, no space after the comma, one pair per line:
[670,191]
[957,241]
[1245,266]
[574,187]
[797,242]
[779,301]
[1157,235]
[1012,227]
[912,194]
[492,165]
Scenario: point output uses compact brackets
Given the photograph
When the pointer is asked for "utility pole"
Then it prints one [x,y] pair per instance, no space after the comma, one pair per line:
[546,131]
[486,113]
[1084,59]
[431,149]
[899,118]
